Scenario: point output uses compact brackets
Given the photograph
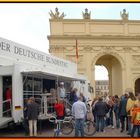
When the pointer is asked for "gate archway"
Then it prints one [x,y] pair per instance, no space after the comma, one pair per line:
[114,67]
[137,86]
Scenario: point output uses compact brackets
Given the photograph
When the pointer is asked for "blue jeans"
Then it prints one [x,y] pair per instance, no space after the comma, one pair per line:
[134,130]
[109,121]
[111,118]
[117,120]
[100,123]
[79,127]
[129,124]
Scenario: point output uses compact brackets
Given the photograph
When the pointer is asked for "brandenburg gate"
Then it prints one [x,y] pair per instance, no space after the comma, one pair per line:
[114,44]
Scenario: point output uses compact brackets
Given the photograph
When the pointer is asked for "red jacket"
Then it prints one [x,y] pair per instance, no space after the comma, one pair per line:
[59,107]
[8,94]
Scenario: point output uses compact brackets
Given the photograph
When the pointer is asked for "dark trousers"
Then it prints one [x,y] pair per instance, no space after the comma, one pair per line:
[8,107]
[50,108]
[94,115]
[124,119]
[100,123]
[134,130]
[107,121]
[26,126]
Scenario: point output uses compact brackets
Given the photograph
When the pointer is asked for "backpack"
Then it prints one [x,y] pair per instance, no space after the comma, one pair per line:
[138,116]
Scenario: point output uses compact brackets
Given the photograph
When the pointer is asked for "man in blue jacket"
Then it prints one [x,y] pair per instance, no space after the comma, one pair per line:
[122,111]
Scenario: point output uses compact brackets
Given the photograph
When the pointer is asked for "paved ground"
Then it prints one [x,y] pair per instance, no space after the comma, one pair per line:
[109,132]
[48,131]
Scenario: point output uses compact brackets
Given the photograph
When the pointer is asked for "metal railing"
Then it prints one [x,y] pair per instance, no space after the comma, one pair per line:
[8,105]
[46,102]
[67,104]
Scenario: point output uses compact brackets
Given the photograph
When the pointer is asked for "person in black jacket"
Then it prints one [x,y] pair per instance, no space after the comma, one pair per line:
[100,109]
[73,96]
[25,120]
[32,115]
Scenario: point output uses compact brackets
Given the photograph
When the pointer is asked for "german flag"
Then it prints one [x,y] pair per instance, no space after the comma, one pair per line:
[18,107]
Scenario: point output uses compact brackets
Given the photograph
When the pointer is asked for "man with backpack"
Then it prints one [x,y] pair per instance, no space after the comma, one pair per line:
[136,120]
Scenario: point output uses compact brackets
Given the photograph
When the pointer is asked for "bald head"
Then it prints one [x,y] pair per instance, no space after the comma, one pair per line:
[80,98]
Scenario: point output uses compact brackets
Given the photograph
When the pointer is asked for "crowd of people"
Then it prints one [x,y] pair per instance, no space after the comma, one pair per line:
[120,112]
[108,111]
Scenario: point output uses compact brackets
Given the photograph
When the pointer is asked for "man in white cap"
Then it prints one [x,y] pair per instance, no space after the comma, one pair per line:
[62,90]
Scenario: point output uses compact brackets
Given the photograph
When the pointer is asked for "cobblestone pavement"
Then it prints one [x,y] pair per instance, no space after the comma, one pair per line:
[48,131]
[109,132]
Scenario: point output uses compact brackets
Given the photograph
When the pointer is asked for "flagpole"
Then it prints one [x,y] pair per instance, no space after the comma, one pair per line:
[76,51]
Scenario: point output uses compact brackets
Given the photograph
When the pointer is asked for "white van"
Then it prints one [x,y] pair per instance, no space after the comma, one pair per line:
[29,73]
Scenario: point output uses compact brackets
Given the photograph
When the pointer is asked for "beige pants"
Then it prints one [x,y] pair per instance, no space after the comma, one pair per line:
[33,127]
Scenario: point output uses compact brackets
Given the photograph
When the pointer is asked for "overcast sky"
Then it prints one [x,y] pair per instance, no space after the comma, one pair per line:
[28,24]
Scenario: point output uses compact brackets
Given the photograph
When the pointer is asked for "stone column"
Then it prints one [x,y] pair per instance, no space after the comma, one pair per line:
[110,83]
